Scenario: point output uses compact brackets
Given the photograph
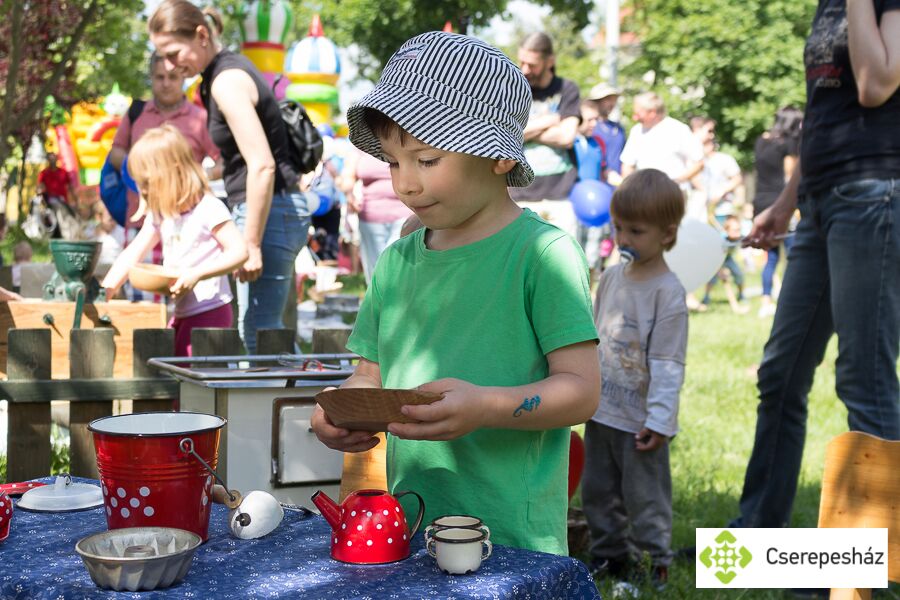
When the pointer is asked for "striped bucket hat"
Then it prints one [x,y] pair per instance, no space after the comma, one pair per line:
[455,93]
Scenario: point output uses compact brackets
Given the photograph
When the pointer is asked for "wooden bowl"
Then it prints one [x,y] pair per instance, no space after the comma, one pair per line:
[370,409]
[152,278]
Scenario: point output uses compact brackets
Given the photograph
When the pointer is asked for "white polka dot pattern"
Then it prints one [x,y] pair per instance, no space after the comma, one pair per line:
[129,506]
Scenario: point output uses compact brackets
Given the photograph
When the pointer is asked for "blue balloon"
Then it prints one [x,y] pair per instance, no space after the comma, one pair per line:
[126,177]
[590,199]
[325,204]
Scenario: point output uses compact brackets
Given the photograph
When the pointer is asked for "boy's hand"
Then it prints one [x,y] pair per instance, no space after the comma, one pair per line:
[459,412]
[647,440]
[338,438]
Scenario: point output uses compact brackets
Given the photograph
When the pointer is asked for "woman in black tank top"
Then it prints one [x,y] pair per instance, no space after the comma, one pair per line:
[244,121]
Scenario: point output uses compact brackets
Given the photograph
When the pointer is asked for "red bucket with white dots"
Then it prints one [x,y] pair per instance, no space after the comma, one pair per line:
[149,470]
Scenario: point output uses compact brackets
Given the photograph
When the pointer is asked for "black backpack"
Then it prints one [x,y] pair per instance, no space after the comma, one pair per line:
[304,142]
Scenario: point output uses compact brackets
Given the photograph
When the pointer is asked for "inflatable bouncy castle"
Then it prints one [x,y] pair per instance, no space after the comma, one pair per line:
[265,26]
[314,67]
[83,142]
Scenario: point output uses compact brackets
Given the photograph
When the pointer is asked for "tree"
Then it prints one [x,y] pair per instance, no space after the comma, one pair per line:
[736,61]
[379,27]
[40,44]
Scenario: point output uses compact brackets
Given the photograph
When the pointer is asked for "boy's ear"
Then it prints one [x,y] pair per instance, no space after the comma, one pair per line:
[671,232]
[502,166]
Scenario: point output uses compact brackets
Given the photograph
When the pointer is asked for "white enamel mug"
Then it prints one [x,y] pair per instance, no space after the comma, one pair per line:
[459,551]
[457,522]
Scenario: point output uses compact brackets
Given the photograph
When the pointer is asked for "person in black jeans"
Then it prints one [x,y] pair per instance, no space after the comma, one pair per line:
[844,271]
[775,157]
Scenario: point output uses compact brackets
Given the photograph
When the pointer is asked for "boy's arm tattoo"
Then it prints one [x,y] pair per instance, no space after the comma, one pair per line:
[529,404]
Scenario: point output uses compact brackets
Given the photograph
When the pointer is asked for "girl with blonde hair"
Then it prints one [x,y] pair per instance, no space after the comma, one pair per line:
[200,241]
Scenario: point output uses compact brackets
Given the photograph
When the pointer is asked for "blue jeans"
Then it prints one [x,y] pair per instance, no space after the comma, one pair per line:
[261,302]
[843,277]
[373,239]
[768,273]
[730,263]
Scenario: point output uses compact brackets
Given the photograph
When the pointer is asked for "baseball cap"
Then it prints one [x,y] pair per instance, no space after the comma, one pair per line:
[601,91]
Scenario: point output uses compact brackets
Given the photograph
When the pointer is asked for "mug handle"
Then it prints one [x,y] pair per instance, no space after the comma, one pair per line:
[421,514]
[429,547]
[429,532]
[487,532]
[490,549]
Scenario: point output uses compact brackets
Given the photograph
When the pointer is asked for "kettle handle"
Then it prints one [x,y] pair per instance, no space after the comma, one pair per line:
[421,514]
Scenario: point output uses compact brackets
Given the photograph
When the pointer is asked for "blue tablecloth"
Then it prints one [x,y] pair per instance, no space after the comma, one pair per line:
[38,560]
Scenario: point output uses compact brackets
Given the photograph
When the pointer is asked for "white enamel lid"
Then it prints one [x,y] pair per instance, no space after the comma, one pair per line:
[63,495]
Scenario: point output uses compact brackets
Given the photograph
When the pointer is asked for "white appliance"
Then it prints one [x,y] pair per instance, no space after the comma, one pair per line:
[268,443]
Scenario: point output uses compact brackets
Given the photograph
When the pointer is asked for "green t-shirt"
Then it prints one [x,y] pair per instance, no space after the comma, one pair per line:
[487,313]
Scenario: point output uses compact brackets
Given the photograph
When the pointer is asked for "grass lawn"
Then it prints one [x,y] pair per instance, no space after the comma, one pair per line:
[718,419]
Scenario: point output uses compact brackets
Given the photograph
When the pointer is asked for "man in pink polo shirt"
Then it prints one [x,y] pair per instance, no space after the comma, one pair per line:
[168,105]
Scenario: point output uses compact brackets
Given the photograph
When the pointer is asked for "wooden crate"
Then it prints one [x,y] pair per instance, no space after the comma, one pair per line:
[125,318]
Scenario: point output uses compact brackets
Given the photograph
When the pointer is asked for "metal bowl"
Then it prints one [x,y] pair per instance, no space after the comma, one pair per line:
[138,558]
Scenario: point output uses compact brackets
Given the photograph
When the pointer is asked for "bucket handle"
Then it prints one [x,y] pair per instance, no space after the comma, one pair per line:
[187,446]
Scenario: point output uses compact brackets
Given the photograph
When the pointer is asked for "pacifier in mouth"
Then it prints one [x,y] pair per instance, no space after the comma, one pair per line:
[628,254]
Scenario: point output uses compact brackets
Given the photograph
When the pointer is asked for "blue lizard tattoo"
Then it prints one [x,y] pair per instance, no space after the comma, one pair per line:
[528,404]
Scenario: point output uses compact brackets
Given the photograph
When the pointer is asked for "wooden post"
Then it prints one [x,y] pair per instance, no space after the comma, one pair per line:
[289,315]
[275,341]
[365,470]
[330,341]
[6,281]
[92,353]
[150,343]
[215,341]
[28,445]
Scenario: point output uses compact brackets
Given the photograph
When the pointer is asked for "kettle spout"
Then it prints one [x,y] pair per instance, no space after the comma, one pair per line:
[328,508]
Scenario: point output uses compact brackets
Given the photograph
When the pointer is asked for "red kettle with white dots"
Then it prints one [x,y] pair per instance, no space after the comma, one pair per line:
[369,527]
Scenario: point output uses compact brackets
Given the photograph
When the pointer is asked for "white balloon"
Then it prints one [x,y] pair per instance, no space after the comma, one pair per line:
[698,254]
[265,514]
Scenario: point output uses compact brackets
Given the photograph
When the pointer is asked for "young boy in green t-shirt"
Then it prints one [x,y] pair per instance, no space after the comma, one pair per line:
[486,304]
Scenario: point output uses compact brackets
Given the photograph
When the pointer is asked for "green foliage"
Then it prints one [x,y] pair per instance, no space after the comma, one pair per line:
[379,27]
[14,235]
[59,450]
[114,51]
[745,56]
[41,46]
